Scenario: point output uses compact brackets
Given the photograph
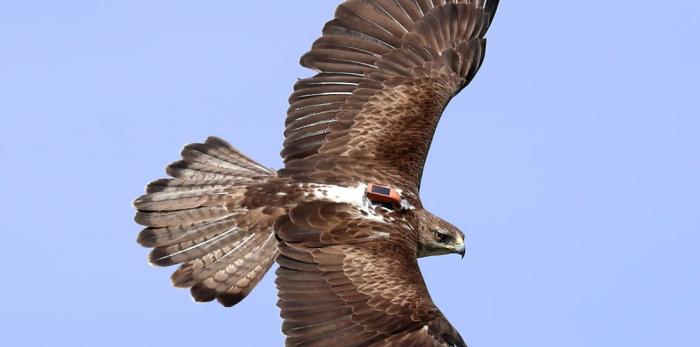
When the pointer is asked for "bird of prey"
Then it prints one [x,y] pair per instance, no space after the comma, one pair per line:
[343,218]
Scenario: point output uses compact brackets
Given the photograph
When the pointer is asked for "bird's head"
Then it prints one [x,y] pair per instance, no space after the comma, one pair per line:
[437,237]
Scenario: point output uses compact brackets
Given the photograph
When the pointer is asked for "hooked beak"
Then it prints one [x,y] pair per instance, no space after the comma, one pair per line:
[461,249]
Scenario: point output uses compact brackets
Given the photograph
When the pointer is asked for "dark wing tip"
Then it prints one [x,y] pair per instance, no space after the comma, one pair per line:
[491,7]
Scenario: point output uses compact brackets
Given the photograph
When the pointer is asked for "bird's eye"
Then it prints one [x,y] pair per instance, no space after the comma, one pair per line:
[441,237]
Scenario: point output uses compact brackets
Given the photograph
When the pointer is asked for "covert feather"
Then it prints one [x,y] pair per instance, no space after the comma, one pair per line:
[348,273]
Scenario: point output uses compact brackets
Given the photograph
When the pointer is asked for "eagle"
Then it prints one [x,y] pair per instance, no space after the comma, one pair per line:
[343,219]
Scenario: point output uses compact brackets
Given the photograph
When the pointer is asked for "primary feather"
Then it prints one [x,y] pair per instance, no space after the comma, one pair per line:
[348,272]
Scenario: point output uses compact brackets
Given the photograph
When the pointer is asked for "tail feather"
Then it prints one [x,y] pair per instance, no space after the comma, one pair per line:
[198,219]
[176,185]
[217,152]
[168,236]
[181,217]
[231,281]
[210,246]
[215,159]
[189,170]
[186,199]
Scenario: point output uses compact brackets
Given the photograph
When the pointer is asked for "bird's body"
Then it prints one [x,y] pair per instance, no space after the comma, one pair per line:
[348,272]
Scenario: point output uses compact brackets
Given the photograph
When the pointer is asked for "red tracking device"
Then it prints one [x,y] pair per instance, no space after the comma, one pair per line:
[383,194]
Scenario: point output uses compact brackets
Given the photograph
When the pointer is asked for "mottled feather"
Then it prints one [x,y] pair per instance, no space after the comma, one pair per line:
[400,62]
[347,281]
[348,272]
[199,219]
[386,71]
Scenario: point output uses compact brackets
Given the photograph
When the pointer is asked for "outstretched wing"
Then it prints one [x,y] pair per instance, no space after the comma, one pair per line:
[345,280]
[387,69]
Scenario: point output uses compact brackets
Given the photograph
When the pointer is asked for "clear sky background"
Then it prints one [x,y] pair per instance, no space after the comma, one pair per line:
[572,162]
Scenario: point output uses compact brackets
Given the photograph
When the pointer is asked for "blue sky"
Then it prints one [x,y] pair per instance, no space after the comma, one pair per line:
[571,163]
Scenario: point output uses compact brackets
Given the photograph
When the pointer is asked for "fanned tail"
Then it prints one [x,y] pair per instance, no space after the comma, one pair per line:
[198,219]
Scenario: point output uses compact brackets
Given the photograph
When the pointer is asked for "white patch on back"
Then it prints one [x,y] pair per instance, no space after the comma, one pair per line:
[355,196]
[405,205]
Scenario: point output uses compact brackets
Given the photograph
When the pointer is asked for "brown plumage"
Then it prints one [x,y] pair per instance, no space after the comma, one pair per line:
[348,272]
[197,219]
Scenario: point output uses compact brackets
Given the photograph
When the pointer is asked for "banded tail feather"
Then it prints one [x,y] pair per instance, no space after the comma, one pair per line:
[348,272]
[198,218]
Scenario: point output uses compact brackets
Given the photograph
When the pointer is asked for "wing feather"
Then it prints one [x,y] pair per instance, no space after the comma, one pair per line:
[401,62]
[344,280]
